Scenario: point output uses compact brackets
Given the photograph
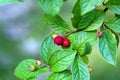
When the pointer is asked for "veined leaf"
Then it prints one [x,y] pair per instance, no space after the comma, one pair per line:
[85,6]
[97,21]
[81,41]
[80,70]
[61,59]
[22,70]
[114,5]
[51,6]
[64,75]
[47,48]
[114,24]
[108,46]
[56,22]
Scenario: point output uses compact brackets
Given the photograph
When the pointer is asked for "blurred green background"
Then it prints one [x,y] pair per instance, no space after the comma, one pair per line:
[21,31]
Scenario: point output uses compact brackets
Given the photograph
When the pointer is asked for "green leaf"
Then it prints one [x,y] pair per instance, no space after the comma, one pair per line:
[33,79]
[114,24]
[85,6]
[47,48]
[114,5]
[80,41]
[79,21]
[80,70]
[108,46]
[85,59]
[61,59]
[22,70]
[64,75]
[51,6]
[97,21]
[5,2]
[56,22]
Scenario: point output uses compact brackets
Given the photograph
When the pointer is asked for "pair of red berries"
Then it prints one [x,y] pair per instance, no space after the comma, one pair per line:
[59,40]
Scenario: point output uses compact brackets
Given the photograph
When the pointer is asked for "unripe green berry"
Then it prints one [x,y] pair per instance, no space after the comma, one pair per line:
[32,68]
[38,63]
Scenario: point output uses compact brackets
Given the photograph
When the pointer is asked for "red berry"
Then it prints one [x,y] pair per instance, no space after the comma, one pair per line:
[99,33]
[58,40]
[66,43]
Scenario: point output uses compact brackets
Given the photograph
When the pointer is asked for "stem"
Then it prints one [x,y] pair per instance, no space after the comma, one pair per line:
[104,27]
[70,32]
[105,10]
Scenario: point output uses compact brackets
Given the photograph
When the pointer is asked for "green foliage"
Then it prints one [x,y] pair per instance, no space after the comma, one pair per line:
[97,21]
[56,22]
[108,46]
[80,70]
[61,59]
[51,6]
[87,20]
[114,24]
[22,70]
[64,75]
[47,48]
[114,5]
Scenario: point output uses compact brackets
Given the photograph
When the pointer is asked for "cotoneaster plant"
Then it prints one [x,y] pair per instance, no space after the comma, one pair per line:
[64,51]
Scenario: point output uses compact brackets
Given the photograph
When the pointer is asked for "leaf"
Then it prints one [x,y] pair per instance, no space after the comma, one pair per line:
[64,75]
[108,46]
[80,41]
[61,59]
[114,5]
[22,70]
[51,6]
[97,21]
[79,21]
[56,22]
[85,6]
[33,79]
[80,70]
[47,48]
[5,2]
[85,59]
[114,24]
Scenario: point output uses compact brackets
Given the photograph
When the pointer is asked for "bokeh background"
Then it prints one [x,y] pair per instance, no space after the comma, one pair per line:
[21,31]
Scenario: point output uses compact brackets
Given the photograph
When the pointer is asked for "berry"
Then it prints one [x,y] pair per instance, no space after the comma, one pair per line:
[38,63]
[58,40]
[90,69]
[32,68]
[66,43]
[54,36]
[99,33]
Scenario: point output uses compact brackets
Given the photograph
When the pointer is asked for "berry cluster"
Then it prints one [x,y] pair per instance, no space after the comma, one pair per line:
[59,40]
[33,67]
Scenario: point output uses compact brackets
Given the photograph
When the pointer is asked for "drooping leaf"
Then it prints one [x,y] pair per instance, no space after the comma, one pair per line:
[114,24]
[80,70]
[47,48]
[22,70]
[61,59]
[81,41]
[108,46]
[85,6]
[64,75]
[51,6]
[114,5]
[56,22]
[97,21]
[5,2]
